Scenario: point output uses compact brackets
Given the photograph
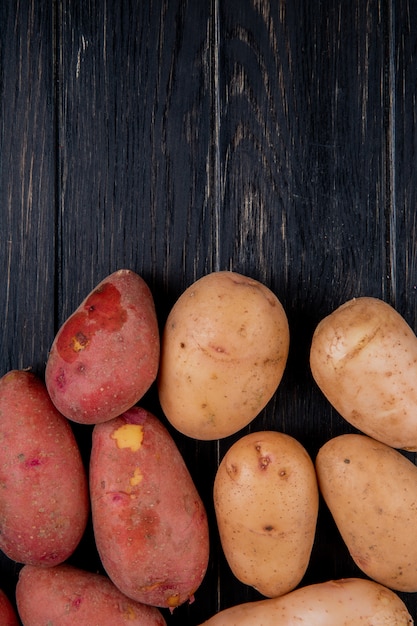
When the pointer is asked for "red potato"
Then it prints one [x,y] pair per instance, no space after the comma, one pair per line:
[44,490]
[65,595]
[8,615]
[149,522]
[106,354]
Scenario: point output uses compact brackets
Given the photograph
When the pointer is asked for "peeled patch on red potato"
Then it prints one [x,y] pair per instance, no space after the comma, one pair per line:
[150,524]
[8,616]
[364,359]
[106,354]
[371,491]
[223,354]
[44,500]
[345,602]
[266,504]
[65,596]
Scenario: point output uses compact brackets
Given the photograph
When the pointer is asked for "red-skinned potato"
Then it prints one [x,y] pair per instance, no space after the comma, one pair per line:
[345,602]
[8,616]
[44,501]
[106,354]
[149,522]
[266,504]
[65,595]
[223,354]
[371,492]
[363,357]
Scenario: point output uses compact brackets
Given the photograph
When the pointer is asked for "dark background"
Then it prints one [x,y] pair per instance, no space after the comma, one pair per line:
[174,138]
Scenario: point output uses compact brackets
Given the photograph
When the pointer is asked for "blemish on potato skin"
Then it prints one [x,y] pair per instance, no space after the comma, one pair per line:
[102,311]
[128,436]
[264,462]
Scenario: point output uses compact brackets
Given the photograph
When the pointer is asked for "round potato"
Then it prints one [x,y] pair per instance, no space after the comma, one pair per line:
[266,504]
[364,359]
[371,491]
[345,602]
[223,354]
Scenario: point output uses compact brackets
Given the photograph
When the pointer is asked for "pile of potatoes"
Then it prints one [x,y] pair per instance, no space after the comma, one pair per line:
[219,361]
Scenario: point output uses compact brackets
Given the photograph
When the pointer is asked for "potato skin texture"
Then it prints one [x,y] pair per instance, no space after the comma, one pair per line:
[106,354]
[44,501]
[371,491]
[266,505]
[344,602]
[65,595]
[363,357]
[223,354]
[8,616]
[149,521]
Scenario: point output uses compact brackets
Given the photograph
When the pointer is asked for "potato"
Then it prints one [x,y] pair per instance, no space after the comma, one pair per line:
[266,504]
[149,522]
[8,616]
[65,595]
[106,354]
[223,353]
[44,502]
[344,602]
[364,359]
[371,491]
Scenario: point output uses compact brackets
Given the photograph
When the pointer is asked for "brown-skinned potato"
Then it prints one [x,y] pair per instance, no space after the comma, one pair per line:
[266,504]
[363,357]
[223,354]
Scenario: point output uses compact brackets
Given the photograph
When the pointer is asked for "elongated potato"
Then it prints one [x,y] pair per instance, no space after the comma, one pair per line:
[364,359]
[105,356]
[266,504]
[371,491]
[149,521]
[67,596]
[44,501]
[345,602]
[223,354]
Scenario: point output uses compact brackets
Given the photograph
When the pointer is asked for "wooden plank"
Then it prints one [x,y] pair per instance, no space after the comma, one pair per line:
[401,97]
[303,187]
[27,196]
[403,141]
[273,138]
[134,190]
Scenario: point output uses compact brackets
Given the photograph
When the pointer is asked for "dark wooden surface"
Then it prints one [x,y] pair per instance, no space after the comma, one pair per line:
[277,139]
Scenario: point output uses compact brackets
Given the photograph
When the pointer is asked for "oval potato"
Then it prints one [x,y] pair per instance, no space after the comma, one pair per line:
[371,491]
[266,504]
[363,357]
[344,602]
[44,502]
[105,356]
[149,522]
[223,353]
[66,596]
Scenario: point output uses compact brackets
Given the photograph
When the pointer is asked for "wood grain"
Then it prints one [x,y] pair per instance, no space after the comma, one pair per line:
[27,196]
[277,139]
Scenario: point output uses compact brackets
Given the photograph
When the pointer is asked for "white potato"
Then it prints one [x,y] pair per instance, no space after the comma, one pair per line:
[345,602]
[223,354]
[371,491]
[266,504]
[364,359]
